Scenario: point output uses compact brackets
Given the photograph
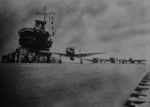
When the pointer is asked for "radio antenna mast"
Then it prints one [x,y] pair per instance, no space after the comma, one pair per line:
[51,17]
[45,13]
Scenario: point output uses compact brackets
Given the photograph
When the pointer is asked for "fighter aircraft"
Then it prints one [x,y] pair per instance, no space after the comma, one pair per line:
[138,61]
[71,52]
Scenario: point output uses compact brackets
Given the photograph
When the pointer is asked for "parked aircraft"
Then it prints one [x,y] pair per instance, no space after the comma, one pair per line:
[71,52]
[140,61]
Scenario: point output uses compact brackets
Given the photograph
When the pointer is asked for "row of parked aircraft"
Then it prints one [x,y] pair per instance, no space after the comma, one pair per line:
[117,60]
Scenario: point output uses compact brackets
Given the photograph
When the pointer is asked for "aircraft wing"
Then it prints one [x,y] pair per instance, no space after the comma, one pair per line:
[141,60]
[91,60]
[88,54]
[56,53]
[75,55]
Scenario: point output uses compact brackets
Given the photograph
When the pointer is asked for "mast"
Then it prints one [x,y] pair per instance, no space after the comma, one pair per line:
[51,17]
[45,13]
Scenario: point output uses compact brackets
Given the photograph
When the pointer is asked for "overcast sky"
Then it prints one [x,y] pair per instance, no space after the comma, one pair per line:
[120,27]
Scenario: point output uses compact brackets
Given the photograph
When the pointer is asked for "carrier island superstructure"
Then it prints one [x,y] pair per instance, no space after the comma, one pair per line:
[32,41]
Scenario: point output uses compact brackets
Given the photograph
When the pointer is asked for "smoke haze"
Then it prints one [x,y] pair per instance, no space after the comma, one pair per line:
[120,27]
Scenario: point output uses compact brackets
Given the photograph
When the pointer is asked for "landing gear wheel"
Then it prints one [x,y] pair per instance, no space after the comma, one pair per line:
[60,61]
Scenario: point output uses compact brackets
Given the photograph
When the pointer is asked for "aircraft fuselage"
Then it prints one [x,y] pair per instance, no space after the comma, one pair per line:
[70,52]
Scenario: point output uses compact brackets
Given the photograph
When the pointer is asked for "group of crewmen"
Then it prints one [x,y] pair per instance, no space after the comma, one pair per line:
[24,55]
